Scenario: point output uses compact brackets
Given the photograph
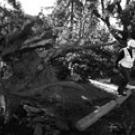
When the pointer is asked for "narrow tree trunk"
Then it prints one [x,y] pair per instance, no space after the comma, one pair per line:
[81,22]
[72,16]
[102,5]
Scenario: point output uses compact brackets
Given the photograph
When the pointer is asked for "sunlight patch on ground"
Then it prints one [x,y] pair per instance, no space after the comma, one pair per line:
[110,88]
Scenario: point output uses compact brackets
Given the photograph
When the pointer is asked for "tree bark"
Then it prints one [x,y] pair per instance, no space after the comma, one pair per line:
[72,16]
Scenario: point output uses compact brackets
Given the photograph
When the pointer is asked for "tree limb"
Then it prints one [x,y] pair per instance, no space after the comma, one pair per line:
[106,21]
[40,90]
[102,5]
[20,35]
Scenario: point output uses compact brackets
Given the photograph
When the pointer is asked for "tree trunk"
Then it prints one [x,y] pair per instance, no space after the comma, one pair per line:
[72,17]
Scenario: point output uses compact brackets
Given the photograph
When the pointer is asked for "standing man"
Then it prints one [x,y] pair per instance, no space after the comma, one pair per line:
[125,63]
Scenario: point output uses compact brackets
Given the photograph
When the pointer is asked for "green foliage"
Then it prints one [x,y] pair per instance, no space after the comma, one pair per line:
[94,62]
[76,18]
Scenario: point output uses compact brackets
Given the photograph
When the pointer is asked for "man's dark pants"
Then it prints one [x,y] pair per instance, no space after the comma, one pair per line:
[125,78]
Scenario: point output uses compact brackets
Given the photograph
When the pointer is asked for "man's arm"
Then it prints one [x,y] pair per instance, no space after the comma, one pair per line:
[120,56]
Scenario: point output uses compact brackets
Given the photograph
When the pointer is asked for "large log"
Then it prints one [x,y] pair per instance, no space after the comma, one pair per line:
[93,117]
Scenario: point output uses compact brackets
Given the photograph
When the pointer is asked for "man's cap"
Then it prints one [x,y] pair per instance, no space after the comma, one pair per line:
[131,43]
